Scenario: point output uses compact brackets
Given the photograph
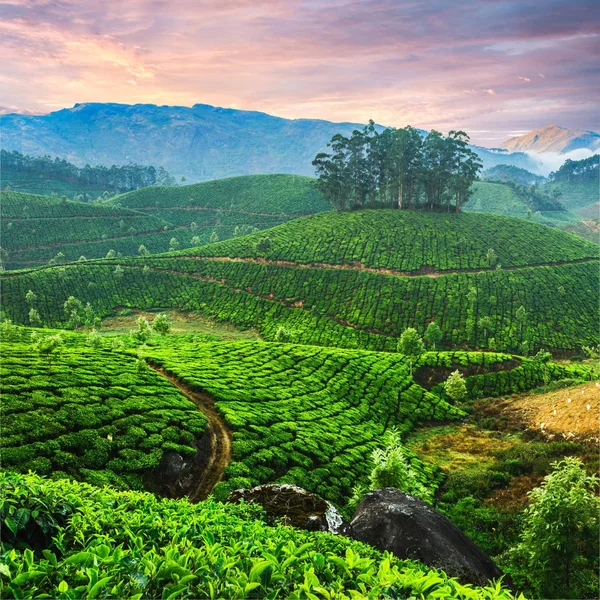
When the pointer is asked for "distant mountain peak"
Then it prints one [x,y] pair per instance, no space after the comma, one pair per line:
[554,138]
[200,142]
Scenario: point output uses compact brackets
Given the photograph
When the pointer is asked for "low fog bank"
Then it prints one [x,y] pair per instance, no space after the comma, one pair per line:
[546,162]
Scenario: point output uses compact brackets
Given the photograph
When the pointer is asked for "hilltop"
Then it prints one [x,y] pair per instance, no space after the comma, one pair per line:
[554,139]
[268,196]
[201,142]
[152,217]
[357,280]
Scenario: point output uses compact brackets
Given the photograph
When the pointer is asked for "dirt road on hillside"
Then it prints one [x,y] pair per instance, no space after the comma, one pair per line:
[219,436]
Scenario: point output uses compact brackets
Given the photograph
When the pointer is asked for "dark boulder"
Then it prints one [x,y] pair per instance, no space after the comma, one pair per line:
[407,527]
[294,506]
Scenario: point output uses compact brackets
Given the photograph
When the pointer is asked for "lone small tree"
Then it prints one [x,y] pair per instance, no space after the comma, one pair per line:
[34,318]
[411,345]
[558,549]
[492,257]
[143,332]
[433,334]
[521,317]
[543,357]
[119,272]
[74,311]
[394,466]
[143,251]
[196,241]
[161,324]
[455,386]
[30,298]
[214,237]
[486,323]
[94,340]
[111,253]
[173,244]
[282,334]
[264,244]
[47,345]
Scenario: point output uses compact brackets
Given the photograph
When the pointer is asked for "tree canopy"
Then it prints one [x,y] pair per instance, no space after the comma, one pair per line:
[117,178]
[397,168]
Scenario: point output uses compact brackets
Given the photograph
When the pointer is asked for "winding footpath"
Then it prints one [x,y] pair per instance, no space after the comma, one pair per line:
[425,271]
[217,432]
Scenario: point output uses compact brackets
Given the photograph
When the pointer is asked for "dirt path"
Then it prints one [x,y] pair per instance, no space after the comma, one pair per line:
[219,436]
[425,271]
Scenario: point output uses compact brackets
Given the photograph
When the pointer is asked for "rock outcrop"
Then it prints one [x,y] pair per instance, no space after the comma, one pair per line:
[296,507]
[407,527]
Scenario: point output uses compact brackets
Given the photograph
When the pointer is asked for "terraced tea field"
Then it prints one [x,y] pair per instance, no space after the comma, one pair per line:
[276,197]
[150,216]
[91,415]
[309,282]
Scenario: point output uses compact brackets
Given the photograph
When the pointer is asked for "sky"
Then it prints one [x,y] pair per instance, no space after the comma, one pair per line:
[493,68]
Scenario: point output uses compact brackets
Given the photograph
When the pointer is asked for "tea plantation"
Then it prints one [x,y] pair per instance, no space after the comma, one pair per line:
[90,415]
[311,416]
[311,281]
[275,196]
[35,229]
[189,214]
[407,241]
[128,544]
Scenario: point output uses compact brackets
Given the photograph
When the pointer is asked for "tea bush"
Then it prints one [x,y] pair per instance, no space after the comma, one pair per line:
[90,415]
[128,544]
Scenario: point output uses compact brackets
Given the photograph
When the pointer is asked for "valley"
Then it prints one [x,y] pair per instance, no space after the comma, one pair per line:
[167,346]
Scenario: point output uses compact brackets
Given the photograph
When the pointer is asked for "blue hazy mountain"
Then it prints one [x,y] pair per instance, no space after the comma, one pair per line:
[202,142]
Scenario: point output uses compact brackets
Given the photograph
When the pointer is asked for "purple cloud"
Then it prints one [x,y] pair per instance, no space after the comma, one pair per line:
[431,64]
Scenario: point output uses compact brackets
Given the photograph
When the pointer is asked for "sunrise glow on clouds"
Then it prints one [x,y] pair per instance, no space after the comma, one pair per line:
[493,68]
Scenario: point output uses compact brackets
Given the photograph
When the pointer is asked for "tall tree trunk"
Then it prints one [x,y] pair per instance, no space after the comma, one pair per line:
[400,194]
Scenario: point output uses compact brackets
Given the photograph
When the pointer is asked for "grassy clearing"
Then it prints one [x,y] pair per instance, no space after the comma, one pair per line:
[459,447]
[181,323]
[569,413]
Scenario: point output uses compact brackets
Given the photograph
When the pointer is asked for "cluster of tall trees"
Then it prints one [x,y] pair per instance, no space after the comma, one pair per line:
[122,178]
[397,167]
[578,171]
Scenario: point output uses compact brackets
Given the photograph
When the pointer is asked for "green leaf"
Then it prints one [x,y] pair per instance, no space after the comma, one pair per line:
[97,588]
[258,568]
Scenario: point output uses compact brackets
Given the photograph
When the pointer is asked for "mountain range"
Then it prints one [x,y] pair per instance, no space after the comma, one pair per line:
[554,139]
[201,143]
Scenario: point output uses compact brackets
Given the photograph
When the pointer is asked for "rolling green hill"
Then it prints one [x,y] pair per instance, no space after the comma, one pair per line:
[151,216]
[357,280]
[502,199]
[35,229]
[495,198]
[576,196]
[37,183]
[274,196]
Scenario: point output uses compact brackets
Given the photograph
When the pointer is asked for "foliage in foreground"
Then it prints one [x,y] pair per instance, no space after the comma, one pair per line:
[70,540]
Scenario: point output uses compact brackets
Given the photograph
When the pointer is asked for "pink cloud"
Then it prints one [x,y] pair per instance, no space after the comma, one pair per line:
[397,62]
